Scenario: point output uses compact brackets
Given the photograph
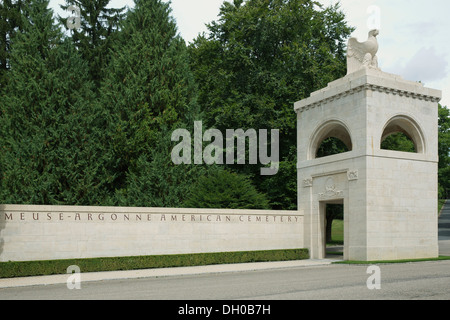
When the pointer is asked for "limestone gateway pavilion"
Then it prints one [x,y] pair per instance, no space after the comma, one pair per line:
[389,197]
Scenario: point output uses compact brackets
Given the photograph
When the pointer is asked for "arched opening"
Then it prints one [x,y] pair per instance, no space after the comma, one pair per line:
[331,138]
[402,134]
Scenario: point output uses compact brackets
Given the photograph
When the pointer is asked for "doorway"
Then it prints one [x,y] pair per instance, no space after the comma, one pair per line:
[332,213]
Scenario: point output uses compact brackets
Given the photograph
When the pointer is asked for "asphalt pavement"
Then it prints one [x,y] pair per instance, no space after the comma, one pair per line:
[402,281]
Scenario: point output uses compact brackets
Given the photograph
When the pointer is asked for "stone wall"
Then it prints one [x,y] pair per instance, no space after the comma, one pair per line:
[64,232]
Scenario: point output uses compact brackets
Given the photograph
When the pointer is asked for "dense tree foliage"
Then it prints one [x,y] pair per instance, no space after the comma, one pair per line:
[398,142]
[223,189]
[98,27]
[69,139]
[259,58]
[149,91]
[47,122]
[10,22]
[444,155]
[332,212]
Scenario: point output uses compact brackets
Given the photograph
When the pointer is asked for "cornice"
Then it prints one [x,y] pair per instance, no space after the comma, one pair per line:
[369,87]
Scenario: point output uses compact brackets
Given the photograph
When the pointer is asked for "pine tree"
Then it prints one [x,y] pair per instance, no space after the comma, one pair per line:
[222,189]
[155,181]
[98,25]
[149,89]
[51,144]
[9,24]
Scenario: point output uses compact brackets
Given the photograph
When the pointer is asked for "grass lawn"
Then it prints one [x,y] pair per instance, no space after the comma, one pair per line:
[337,233]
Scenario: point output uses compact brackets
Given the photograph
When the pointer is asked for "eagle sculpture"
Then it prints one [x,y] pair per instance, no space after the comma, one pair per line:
[362,54]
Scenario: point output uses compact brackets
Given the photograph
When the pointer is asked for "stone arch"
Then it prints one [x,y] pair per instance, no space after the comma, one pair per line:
[329,129]
[409,127]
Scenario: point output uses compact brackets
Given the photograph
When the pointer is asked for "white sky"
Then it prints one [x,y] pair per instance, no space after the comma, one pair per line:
[414,35]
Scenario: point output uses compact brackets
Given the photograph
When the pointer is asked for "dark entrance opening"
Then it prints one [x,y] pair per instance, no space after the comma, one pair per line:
[334,229]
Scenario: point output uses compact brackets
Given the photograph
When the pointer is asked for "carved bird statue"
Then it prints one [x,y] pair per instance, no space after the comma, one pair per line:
[362,54]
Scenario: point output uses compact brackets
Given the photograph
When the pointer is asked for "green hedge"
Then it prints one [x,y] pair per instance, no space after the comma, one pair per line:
[37,268]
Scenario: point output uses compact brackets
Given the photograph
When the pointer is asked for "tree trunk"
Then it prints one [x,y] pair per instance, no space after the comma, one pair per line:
[329,223]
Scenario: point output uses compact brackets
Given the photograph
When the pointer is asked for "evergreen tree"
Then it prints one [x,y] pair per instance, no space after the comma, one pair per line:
[444,152]
[156,182]
[149,90]
[51,152]
[222,189]
[98,25]
[9,23]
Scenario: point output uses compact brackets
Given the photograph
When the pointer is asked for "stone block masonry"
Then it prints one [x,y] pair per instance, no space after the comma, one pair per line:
[29,232]
[389,197]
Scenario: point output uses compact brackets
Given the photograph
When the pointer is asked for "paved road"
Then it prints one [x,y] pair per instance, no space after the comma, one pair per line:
[420,280]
